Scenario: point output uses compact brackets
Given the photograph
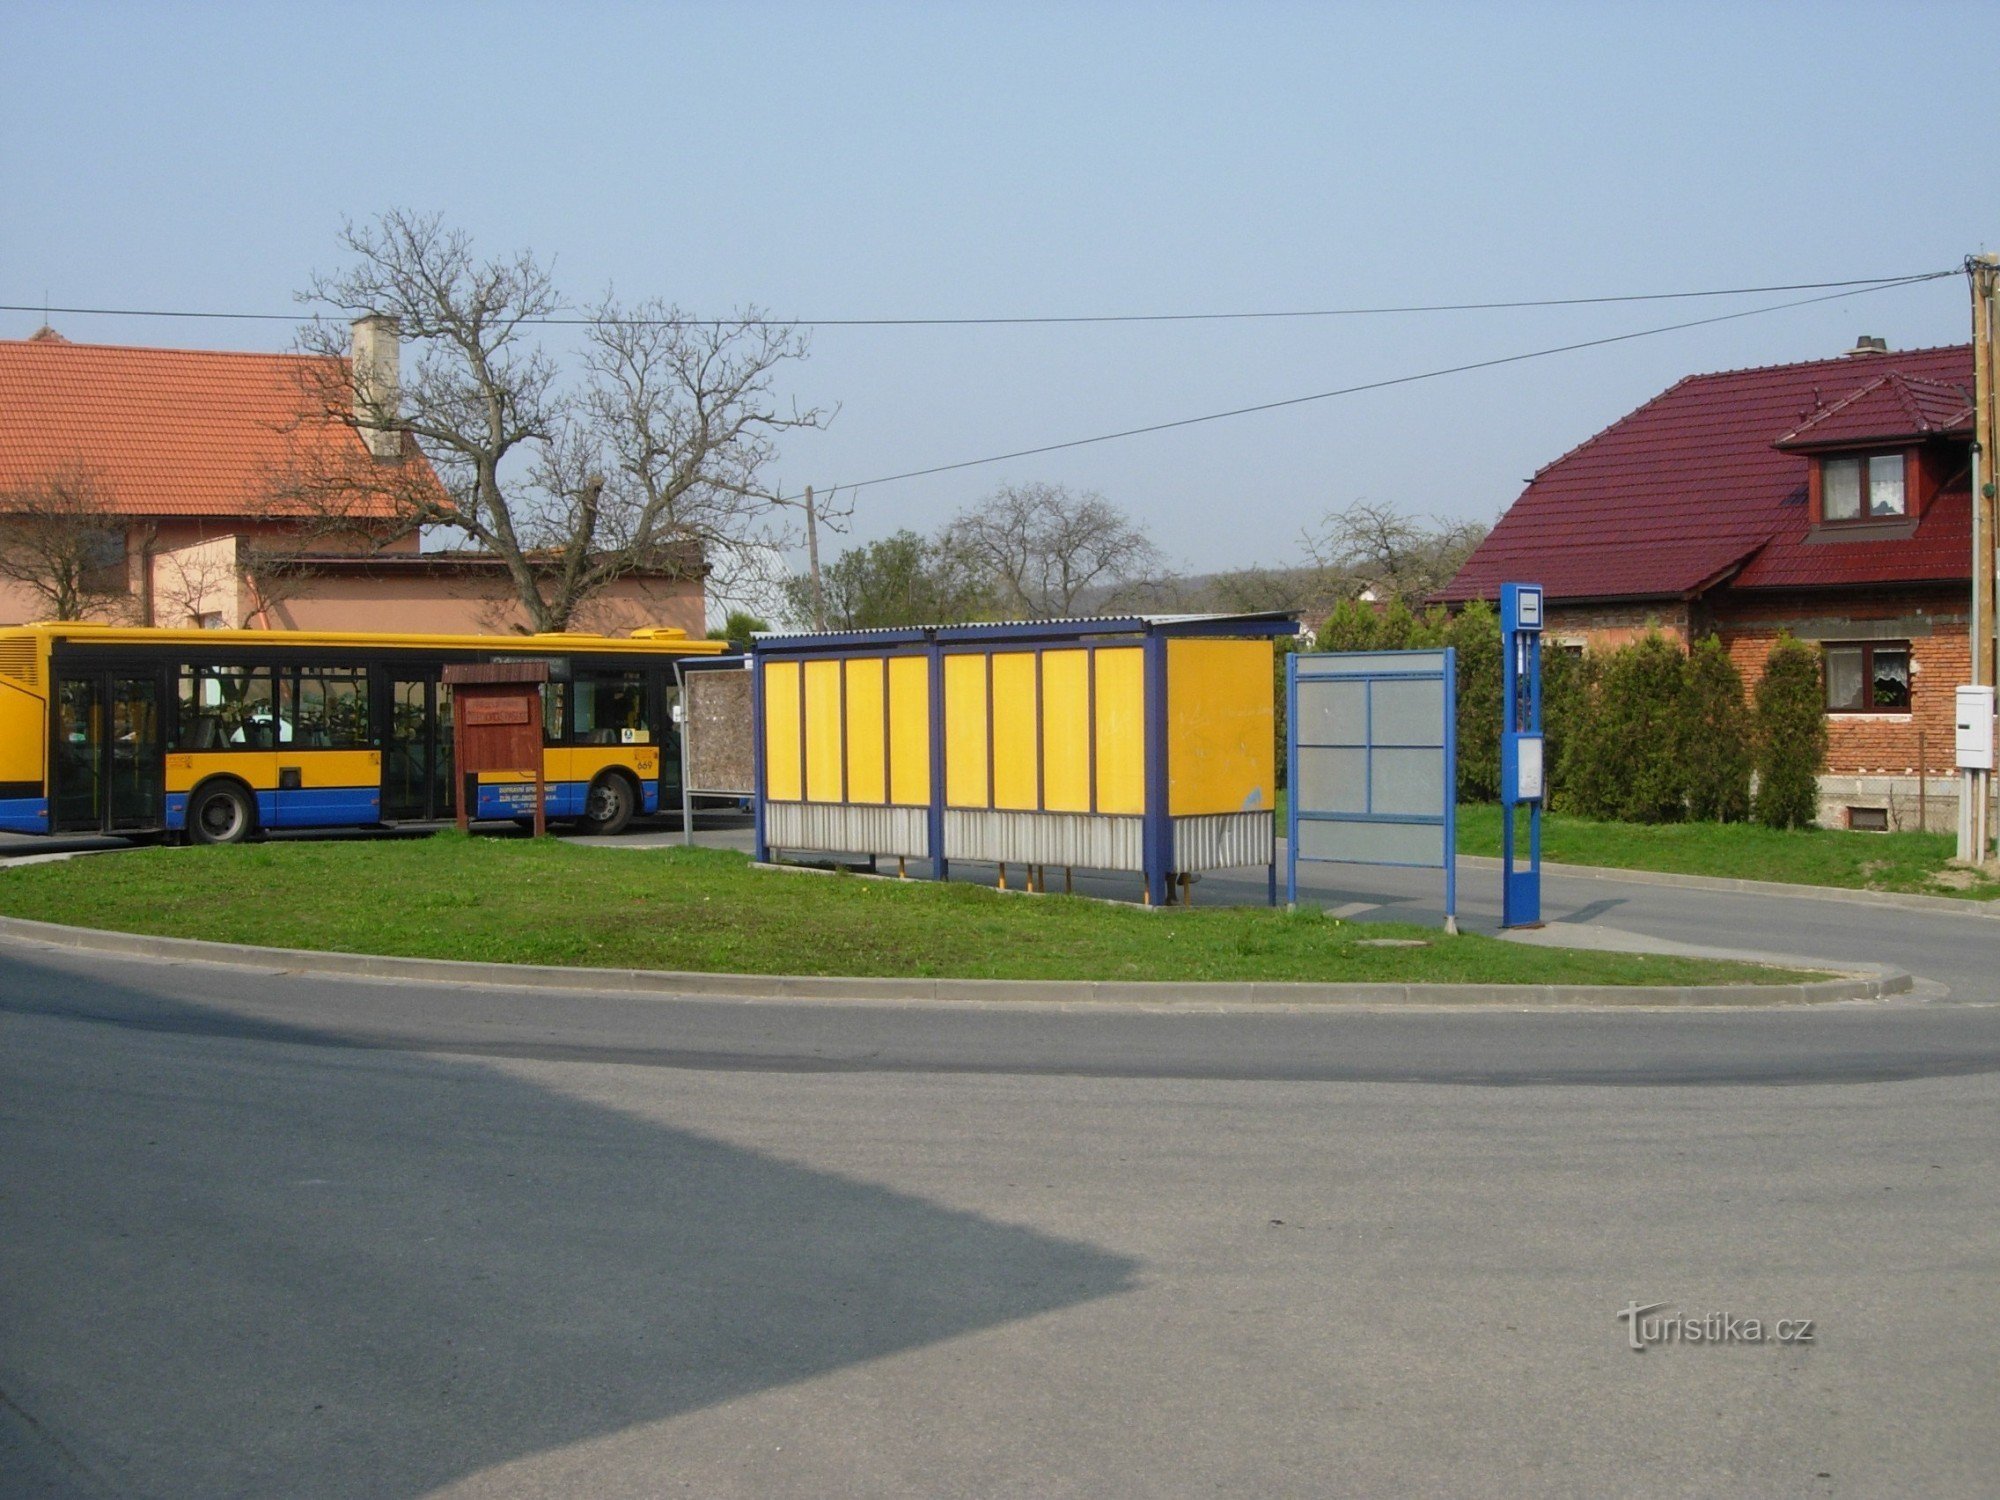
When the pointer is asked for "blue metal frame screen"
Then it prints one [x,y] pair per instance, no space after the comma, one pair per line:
[1371,755]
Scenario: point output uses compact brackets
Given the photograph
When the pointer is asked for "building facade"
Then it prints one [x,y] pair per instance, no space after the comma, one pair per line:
[221,495]
[1830,499]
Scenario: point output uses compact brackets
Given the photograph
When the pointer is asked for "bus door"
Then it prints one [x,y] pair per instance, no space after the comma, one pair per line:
[107,765]
[416,752]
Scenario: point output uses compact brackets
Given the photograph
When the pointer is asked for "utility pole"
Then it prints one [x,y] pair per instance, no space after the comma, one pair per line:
[812,562]
[1983,272]
[1975,784]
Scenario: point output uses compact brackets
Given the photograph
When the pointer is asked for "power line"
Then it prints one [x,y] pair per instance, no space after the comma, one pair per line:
[1377,385]
[1860,284]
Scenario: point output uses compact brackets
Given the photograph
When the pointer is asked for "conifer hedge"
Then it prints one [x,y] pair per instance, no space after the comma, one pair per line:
[1790,735]
[1644,734]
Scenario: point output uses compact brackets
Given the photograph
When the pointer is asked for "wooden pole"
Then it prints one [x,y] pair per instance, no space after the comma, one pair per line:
[1923,786]
[1984,272]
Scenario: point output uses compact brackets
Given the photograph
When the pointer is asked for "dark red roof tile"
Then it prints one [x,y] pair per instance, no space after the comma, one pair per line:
[1676,496]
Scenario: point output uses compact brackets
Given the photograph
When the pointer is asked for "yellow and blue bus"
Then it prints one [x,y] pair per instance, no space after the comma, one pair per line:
[215,735]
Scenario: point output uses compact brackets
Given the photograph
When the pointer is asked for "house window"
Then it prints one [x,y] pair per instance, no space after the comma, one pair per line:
[1868,679]
[1862,487]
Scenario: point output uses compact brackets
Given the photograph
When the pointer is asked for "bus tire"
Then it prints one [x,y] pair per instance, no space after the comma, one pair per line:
[222,812]
[610,804]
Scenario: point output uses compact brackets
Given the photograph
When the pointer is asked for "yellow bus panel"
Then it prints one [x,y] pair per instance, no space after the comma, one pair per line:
[909,730]
[823,736]
[24,735]
[1220,755]
[965,730]
[1016,757]
[783,773]
[867,733]
[1120,713]
[1066,731]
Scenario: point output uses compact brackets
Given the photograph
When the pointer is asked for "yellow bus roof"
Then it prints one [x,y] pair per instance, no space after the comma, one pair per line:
[665,640]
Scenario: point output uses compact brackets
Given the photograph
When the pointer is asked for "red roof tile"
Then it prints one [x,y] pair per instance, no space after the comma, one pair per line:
[1670,500]
[166,431]
[1891,407]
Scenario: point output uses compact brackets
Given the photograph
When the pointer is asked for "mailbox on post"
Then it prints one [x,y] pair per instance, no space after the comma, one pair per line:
[496,713]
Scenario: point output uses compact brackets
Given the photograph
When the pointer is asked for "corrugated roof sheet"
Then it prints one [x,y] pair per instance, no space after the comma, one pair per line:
[165,431]
[1677,495]
[1263,622]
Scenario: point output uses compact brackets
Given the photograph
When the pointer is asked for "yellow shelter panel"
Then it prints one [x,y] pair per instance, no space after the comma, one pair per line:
[1220,722]
[823,731]
[1066,731]
[867,731]
[965,730]
[1120,713]
[910,730]
[783,774]
[1016,754]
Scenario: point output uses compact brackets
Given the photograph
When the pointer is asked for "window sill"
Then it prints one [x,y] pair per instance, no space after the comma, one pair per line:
[1872,715]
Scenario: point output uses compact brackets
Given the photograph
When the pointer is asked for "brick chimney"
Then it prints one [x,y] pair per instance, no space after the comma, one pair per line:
[375,352]
[1869,343]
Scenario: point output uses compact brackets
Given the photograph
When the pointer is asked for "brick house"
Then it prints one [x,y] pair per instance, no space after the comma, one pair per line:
[190,456]
[1830,498]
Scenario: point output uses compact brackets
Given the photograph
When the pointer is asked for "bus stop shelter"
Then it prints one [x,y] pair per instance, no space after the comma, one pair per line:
[1139,743]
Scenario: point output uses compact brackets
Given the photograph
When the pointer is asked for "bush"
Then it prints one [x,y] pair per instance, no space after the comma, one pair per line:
[1475,633]
[1629,760]
[1715,736]
[1790,735]
[1568,680]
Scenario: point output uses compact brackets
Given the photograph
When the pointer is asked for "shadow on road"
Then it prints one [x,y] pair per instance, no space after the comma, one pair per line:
[238,1267]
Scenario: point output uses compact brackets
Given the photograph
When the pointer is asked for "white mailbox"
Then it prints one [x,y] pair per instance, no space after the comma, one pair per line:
[1975,729]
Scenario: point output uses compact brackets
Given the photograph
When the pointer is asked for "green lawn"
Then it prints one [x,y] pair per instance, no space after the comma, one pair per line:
[1915,862]
[522,901]
[1810,856]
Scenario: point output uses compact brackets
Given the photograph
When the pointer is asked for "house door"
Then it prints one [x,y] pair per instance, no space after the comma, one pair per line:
[107,756]
[416,755]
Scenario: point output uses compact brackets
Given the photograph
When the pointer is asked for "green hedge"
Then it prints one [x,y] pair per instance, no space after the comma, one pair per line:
[1644,734]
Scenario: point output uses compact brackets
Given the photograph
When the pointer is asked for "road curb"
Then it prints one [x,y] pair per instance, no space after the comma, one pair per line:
[1908,901]
[1100,995]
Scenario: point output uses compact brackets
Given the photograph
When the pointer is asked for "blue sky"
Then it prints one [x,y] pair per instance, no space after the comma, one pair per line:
[941,160]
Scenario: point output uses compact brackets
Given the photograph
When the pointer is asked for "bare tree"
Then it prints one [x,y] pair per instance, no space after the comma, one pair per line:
[60,539]
[653,450]
[1042,548]
[1367,546]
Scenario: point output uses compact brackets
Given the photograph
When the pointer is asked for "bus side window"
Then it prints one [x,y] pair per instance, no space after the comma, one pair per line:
[611,710]
[554,696]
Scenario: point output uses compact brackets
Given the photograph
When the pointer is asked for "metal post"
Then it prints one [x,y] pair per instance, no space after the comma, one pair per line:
[1451,790]
[1159,832]
[1292,782]
[940,866]
[759,778]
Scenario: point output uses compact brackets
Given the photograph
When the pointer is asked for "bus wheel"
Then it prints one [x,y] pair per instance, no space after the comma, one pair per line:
[220,814]
[610,805]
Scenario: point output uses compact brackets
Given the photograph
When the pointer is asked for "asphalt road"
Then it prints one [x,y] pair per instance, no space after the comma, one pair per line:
[267,1234]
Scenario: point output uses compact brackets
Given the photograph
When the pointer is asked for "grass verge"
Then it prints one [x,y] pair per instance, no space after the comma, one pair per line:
[1909,862]
[519,901]
[1913,863]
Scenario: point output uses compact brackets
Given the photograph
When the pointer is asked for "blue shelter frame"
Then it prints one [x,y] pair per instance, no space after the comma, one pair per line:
[1372,759]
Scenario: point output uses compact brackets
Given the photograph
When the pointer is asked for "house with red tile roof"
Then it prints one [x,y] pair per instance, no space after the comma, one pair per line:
[1831,498]
[231,498]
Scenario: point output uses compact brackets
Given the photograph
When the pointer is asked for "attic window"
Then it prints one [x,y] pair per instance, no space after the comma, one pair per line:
[1862,487]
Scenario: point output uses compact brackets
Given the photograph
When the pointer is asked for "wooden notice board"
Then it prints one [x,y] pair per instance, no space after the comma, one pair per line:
[496,710]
